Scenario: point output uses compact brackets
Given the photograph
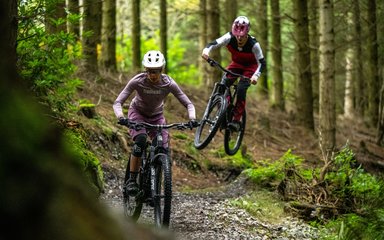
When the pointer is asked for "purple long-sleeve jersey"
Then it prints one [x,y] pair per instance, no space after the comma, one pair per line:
[149,98]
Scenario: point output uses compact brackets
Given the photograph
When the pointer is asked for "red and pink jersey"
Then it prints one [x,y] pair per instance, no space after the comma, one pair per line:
[248,58]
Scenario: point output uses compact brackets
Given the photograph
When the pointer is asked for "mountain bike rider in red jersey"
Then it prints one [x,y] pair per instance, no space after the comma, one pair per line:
[247,59]
[151,88]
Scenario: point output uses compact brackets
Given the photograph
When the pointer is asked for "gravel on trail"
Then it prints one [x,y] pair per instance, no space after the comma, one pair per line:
[209,215]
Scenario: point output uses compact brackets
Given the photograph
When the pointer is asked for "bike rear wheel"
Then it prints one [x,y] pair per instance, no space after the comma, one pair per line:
[162,194]
[210,122]
[233,139]
[132,204]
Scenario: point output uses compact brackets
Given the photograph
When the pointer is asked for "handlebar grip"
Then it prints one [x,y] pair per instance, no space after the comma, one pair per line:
[211,61]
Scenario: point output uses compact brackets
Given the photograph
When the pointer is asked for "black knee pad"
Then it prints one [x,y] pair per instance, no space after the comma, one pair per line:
[139,146]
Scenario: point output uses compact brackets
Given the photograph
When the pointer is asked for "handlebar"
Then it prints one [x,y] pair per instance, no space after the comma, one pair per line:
[144,125]
[214,63]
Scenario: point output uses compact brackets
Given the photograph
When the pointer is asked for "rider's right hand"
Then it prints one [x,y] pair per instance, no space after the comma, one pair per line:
[123,121]
[193,123]
[254,80]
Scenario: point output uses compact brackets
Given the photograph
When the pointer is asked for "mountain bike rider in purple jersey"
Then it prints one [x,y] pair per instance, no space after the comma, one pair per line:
[247,59]
[151,88]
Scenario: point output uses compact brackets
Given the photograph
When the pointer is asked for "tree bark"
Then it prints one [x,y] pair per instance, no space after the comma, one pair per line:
[231,13]
[359,84]
[304,98]
[373,77]
[163,30]
[89,36]
[277,75]
[135,32]
[262,28]
[203,40]
[72,25]
[8,59]
[313,8]
[54,11]
[327,111]
[108,36]
[350,73]
[213,32]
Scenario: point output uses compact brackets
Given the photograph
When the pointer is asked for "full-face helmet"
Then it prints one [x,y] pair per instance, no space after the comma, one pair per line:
[153,59]
[240,26]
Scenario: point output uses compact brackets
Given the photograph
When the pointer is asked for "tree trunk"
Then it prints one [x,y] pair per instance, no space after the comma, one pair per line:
[213,32]
[8,59]
[277,75]
[108,36]
[231,13]
[89,37]
[136,29]
[313,9]
[303,82]
[372,62]
[73,26]
[327,111]
[350,73]
[203,40]
[54,11]
[262,29]
[163,29]
[359,84]
[380,125]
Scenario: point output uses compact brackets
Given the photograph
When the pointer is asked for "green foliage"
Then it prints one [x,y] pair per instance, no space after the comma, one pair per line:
[355,227]
[267,171]
[45,60]
[262,204]
[86,103]
[90,164]
[350,180]
[240,161]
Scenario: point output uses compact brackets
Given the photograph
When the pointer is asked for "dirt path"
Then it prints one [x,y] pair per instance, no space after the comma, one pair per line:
[209,215]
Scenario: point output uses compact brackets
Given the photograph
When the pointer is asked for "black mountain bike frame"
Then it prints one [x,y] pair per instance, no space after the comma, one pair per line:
[155,176]
[219,113]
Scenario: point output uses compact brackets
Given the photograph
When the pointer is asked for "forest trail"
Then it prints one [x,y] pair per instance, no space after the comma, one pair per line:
[208,214]
[201,210]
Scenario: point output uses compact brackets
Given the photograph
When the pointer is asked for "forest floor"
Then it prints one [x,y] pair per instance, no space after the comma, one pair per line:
[269,134]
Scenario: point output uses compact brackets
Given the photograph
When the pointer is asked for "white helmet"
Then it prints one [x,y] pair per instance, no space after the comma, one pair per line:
[153,59]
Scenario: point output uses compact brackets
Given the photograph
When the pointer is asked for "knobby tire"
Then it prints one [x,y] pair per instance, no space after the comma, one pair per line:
[210,122]
[132,205]
[233,139]
[162,194]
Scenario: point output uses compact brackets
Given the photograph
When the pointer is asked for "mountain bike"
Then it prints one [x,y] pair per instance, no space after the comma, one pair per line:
[154,178]
[219,113]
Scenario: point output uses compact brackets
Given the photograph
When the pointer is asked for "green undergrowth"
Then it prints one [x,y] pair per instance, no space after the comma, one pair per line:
[263,204]
[356,194]
[90,164]
[267,172]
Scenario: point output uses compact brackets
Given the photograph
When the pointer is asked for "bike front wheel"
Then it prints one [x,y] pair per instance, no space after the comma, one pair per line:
[233,139]
[132,204]
[162,192]
[210,122]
